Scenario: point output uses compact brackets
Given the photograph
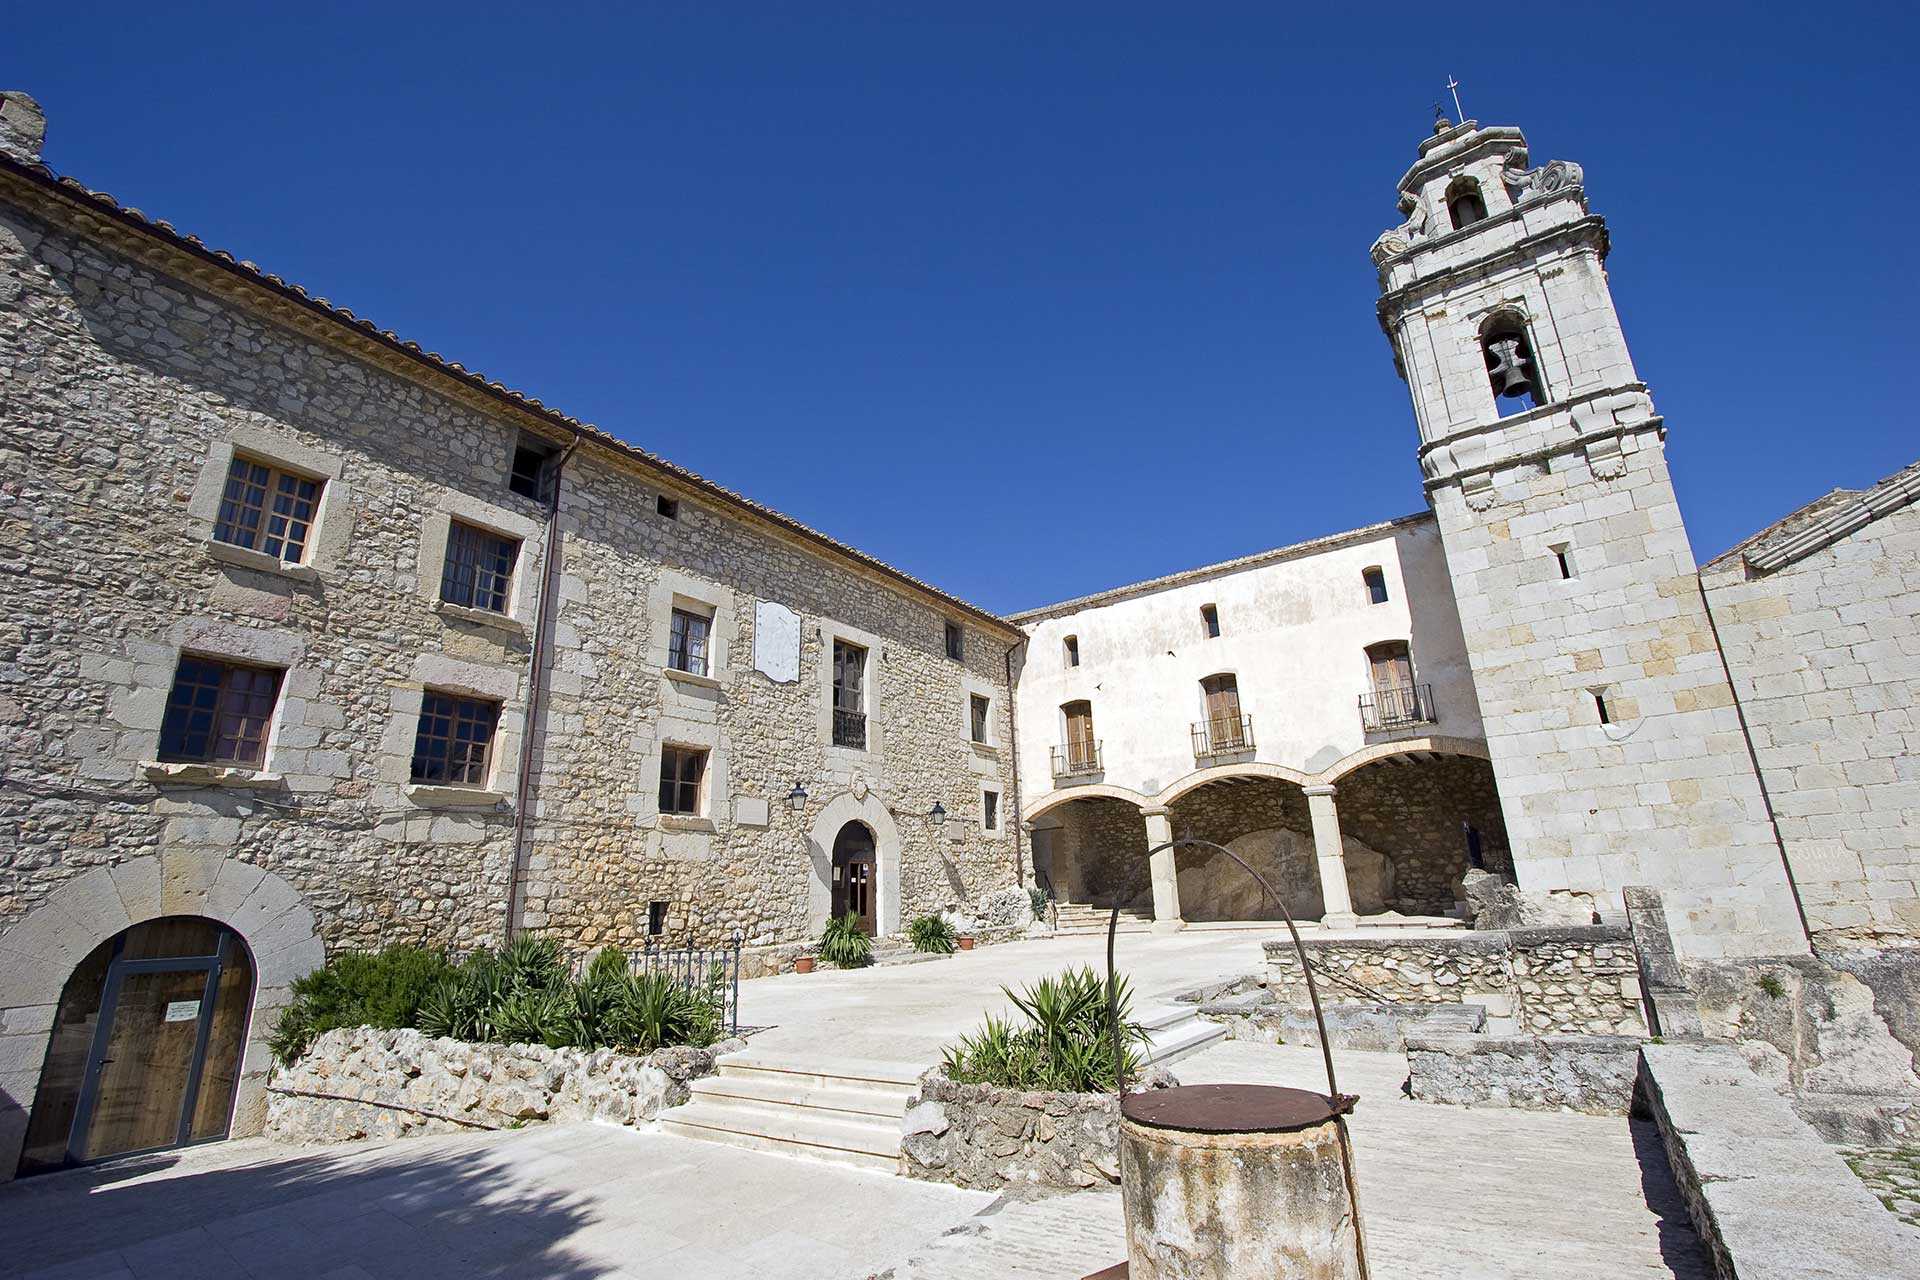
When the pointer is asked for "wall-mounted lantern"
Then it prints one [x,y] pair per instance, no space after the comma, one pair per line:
[938,815]
[797,798]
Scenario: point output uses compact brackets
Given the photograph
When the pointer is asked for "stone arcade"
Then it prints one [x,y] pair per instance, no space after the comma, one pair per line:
[316,639]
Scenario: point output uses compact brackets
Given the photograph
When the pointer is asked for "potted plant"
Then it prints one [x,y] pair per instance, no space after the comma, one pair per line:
[932,934]
[844,944]
[965,941]
[803,964]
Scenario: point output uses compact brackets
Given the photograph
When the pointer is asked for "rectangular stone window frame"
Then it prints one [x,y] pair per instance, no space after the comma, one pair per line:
[682,791]
[984,750]
[672,591]
[436,531]
[830,633]
[675,733]
[502,684]
[992,813]
[284,453]
[289,757]
[220,712]
[956,642]
[477,568]
[455,730]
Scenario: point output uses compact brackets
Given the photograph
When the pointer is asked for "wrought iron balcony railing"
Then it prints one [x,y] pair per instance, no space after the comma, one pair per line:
[1222,736]
[1075,758]
[850,729]
[1396,707]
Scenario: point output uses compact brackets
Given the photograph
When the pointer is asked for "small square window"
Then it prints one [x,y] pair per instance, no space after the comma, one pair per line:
[956,642]
[478,573]
[990,810]
[978,709]
[682,770]
[532,473]
[668,507]
[1376,581]
[687,642]
[218,712]
[1072,647]
[1563,559]
[268,510]
[454,743]
[656,919]
[1210,618]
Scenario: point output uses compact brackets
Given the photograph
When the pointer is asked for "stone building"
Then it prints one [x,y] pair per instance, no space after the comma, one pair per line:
[315,639]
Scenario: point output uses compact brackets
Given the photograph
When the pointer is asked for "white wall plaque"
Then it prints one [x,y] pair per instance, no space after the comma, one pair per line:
[776,642]
[182,1010]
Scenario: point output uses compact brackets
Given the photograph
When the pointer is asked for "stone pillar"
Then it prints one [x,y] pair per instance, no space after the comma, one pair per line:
[1166,881]
[1332,859]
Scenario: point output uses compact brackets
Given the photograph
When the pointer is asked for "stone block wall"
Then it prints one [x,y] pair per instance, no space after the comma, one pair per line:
[1825,655]
[993,1139]
[366,1083]
[1556,980]
[1591,1074]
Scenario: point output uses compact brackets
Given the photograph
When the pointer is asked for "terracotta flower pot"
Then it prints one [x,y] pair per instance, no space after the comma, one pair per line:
[803,965]
[966,942]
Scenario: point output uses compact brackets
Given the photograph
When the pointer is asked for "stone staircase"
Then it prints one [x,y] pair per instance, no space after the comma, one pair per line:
[1176,1030]
[846,1110]
[1078,919]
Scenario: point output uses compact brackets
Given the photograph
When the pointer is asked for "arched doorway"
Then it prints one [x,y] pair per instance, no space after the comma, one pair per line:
[146,1046]
[856,878]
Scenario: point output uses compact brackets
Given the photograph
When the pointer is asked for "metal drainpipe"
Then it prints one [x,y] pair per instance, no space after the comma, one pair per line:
[539,664]
[1013,752]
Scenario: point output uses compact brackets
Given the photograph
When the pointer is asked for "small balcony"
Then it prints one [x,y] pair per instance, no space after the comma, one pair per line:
[1225,736]
[1396,707]
[850,729]
[1076,758]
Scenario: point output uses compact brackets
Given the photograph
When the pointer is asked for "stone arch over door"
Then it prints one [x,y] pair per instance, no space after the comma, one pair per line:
[40,952]
[841,810]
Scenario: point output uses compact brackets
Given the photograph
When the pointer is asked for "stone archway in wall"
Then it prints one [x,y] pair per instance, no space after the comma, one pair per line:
[827,825]
[1095,852]
[1264,819]
[1425,811]
[40,953]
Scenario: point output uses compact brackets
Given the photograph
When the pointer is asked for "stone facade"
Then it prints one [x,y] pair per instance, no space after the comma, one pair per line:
[993,1139]
[1610,722]
[1819,618]
[1555,980]
[365,1083]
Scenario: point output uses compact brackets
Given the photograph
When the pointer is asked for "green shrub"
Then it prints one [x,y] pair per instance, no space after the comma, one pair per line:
[931,933]
[1066,1044]
[1037,897]
[843,943]
[1771,984]
[357,989]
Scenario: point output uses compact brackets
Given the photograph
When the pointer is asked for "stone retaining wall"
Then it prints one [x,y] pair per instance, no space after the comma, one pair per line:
[1767,1196]
[988,1138]
[1554,979]
[1593,1074]
[368,1083]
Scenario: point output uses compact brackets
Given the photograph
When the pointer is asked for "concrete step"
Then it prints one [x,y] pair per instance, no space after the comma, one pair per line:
[770,1090]
[823,1072]
[790,1131]
[1177,1031]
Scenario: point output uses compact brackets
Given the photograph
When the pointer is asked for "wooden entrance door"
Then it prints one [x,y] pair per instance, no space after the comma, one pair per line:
[856,880]
[1081,756]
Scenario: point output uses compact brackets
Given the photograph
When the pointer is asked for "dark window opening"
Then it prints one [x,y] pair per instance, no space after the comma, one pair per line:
[668,507]
[1563,559]
[656,919]
[1072,647]
[218,712]
[1476,855]
[681,769]
[1376,585]
[990,810]
[1465,206]
[1210,618]
[978,717]
[849,695]
[455,740]
[956,642]
[1600,705]
[532,474]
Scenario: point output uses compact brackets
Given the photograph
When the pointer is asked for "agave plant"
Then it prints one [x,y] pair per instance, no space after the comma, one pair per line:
[931,933]
[1066,1044]
[844,944]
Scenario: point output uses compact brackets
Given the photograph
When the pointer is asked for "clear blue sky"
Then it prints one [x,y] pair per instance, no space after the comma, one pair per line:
[1031,300]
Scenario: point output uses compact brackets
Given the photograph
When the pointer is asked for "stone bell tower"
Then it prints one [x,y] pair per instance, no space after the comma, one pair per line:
[1615,740]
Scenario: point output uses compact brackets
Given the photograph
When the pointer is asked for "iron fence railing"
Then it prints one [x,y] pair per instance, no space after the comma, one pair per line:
[713,972]
[850,729]
[1076,757]
[1396,707]
[1222,735]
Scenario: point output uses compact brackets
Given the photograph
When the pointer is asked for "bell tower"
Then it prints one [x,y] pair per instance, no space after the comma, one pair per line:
[1615,741]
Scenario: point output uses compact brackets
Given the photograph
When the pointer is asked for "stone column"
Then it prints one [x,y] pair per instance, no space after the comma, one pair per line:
[1332,858]
[1166,882]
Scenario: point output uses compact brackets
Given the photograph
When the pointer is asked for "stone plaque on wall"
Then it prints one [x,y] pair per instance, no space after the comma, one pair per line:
[776,642]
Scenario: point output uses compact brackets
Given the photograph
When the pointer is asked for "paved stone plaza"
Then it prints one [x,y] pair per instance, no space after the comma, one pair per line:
[1446,1191]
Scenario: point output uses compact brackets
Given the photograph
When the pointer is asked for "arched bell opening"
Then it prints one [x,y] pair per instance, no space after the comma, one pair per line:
[1513,369]
[146,1046]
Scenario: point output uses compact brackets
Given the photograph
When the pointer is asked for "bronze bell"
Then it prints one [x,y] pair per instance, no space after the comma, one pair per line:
[1507,367]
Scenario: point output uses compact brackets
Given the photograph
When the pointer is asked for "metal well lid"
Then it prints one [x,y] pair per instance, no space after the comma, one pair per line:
[1233,1108]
